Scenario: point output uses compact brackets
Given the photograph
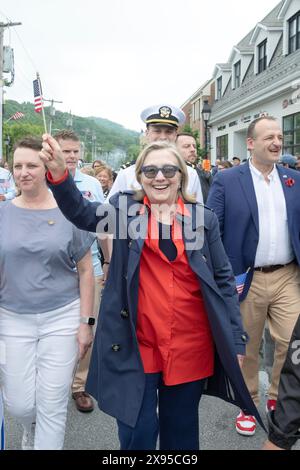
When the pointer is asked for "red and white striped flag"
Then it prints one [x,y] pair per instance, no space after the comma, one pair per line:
[17,115]
[38,96]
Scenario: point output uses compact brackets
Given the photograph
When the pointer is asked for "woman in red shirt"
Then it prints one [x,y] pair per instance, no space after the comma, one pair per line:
[170,326]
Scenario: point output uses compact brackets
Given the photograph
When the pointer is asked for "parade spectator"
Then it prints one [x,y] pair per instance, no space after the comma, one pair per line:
[7,185]
[170,320]
[46,293]
[97,164]
[214,169]
[88,170]
[7,167]
[288,161]
[258,210]
[284,422]
[224,165]
[236,161]
[91,189]
[105,177]
[187,147]
[162,124]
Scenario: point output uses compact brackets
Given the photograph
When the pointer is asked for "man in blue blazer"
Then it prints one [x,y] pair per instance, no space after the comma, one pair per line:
[258,208]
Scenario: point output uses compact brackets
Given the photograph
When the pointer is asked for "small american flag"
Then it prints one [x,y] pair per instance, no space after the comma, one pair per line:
[38,97]
[240,281]
[17,115]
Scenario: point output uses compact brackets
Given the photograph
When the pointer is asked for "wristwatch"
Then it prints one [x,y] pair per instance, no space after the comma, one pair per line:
[87,320]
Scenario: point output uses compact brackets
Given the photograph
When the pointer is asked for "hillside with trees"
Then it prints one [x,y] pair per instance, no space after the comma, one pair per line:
[99,136]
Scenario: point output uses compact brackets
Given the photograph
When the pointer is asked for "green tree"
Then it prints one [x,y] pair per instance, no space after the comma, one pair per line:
[133,151]
[16,132]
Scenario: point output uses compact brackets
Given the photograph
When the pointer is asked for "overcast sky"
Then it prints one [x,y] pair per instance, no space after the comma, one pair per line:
[113,58]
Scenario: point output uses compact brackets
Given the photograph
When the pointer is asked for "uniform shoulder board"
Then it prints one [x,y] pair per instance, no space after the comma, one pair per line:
[192,165]
[127,164]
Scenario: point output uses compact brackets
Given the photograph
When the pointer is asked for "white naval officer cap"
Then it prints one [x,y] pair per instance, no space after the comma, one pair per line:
[163,115]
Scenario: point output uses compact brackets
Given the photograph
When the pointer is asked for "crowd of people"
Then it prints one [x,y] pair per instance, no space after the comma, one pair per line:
[190,265]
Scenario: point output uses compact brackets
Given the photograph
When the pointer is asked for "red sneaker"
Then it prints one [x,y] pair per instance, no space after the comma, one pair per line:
[271,405]
[245,424]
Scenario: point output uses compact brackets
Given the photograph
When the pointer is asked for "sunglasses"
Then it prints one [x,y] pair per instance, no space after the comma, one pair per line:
[151,171]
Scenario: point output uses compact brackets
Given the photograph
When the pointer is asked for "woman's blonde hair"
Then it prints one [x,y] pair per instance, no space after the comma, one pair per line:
[107,169]
[155,146]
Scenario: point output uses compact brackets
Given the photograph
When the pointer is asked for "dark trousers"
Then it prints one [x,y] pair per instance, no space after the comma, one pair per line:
[175,419]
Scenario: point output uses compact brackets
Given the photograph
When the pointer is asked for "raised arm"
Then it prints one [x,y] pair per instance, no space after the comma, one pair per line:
[84,214]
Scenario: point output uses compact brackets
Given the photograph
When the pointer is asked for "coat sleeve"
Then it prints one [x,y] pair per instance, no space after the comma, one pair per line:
[284,422]
[225,281]
[86,215]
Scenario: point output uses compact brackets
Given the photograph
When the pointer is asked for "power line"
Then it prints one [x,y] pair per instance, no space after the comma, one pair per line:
[25,50]
[2,28]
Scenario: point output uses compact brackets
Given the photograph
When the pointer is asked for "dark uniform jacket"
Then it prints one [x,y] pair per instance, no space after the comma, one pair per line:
[116,376]
[284,422]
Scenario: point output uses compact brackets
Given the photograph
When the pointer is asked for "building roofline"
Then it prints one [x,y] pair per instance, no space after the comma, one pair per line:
[194,95]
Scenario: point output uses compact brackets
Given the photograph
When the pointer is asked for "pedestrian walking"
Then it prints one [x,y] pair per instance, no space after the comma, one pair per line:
[7,185]
[91,190]
[284,422]
[259,215]
[187,147]
[162,122]
[170,326]
[46,298]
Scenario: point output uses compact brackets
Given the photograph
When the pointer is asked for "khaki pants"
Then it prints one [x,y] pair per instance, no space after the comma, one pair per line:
[83,367]
[275,298]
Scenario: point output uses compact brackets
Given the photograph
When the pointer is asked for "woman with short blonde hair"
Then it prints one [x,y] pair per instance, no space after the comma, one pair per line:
[181,165]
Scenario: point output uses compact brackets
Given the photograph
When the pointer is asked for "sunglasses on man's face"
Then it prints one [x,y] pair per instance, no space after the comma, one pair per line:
[151,171]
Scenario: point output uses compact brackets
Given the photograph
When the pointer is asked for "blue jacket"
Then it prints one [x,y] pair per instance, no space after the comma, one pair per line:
[232,197]
[116,376]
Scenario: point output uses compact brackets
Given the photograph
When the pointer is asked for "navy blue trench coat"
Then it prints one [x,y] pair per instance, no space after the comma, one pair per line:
[116,377]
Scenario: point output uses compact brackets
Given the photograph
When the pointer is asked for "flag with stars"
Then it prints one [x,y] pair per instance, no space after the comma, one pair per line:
[38,96]
[240,281]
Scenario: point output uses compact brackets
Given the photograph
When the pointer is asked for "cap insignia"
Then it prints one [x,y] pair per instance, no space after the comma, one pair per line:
[165,112]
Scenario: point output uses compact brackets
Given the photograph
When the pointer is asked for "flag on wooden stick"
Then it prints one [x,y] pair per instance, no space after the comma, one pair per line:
[17,115]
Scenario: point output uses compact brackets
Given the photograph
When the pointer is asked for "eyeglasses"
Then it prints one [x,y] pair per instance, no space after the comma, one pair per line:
[151,171]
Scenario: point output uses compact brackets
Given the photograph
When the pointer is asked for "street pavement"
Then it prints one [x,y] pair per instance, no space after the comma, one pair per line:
[97,431]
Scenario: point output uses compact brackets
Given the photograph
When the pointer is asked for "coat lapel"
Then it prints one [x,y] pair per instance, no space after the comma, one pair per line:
[195,256]
[248,189]
[138,226]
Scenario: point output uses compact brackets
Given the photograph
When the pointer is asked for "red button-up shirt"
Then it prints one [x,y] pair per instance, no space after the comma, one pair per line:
[173,331]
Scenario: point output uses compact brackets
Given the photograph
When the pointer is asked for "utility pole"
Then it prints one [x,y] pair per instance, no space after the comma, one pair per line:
[52,112]
[2,28]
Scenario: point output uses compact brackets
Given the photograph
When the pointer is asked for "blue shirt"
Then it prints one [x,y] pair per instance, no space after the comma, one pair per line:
[7,185]
[91,189]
